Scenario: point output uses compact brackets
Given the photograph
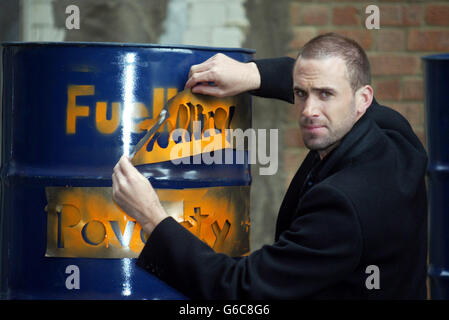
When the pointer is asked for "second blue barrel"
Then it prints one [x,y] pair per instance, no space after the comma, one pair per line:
[70,111]
[436,73]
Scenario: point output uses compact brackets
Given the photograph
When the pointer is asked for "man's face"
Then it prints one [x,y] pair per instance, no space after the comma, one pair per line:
[325,102]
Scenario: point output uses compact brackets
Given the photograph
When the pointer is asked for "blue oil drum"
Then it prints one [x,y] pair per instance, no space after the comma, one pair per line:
[70,111]
[436,73]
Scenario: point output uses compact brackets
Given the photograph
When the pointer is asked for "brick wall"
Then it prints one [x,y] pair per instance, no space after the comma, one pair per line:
[408,31]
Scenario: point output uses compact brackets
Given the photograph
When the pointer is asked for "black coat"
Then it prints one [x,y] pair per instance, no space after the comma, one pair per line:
[364,204]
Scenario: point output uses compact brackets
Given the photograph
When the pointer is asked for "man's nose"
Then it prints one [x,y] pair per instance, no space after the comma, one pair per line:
[310,108]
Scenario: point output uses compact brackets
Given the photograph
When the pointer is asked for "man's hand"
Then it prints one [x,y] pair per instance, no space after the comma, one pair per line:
[135,195]
[229,77]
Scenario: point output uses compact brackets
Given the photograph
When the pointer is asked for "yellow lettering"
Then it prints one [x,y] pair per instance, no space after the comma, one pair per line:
[104,125]
[171,92]
[85,222]
[68,216]
[158,101]
[94,232]
[74,111]
[139,111]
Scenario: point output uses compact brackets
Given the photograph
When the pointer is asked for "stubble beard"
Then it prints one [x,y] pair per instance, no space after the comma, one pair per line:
[327,143]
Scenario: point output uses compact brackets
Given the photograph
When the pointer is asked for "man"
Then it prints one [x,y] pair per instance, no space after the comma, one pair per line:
[353,223]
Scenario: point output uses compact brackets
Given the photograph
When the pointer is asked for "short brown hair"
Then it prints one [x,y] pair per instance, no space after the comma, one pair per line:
[335,45]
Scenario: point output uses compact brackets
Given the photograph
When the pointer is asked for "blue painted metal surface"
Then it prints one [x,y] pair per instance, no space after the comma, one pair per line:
[37,153]
[436,73]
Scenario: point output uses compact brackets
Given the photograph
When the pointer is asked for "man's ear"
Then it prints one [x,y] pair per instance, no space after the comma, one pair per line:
[363,97]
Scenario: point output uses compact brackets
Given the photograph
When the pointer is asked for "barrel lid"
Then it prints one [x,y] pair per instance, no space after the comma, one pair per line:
[439,56]
[130,45]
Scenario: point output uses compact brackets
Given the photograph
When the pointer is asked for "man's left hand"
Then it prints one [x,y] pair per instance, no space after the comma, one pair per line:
[136,196]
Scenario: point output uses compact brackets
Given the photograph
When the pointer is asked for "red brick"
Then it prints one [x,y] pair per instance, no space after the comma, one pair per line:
[400,15]
[301,36]
[347,15]
[430,40]
[390,40]
[295,10]
[413,89]
[293,138]
[314,15]
[412,111]
[437,15]
[390,15]
[412,15]
[387,89]
[394,64]
[363,36]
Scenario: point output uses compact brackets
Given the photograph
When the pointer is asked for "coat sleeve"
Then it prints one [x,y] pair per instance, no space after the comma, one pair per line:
[322,246]
[276,78]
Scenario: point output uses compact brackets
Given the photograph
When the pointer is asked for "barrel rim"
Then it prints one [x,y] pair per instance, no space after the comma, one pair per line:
[120,44]
[438,56]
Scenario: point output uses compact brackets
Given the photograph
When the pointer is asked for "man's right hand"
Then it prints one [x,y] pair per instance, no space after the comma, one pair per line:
[222,76]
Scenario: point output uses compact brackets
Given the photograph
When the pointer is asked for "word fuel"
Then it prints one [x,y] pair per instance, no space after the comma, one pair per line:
[198,127]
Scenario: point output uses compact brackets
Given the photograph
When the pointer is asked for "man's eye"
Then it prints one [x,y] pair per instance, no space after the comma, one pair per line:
[325,94]
[301,93]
